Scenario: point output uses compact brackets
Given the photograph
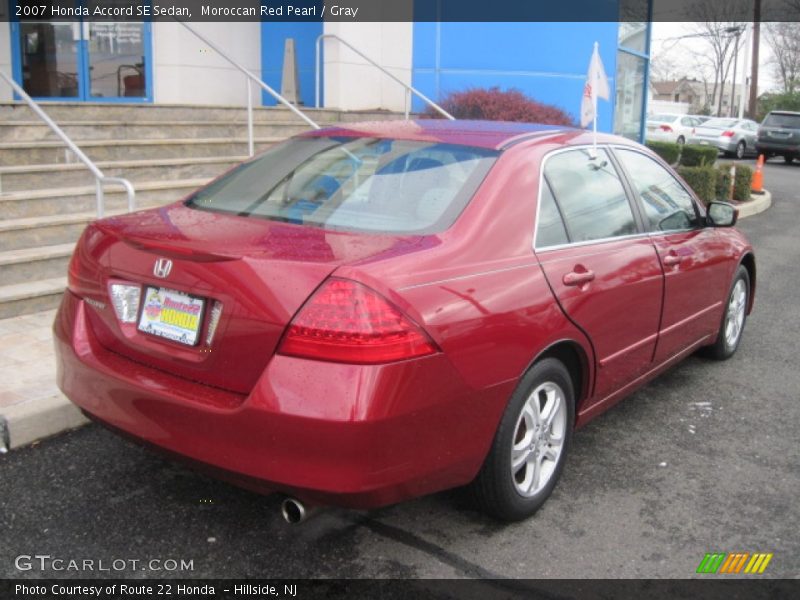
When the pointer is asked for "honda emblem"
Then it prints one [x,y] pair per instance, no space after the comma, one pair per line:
[162,267]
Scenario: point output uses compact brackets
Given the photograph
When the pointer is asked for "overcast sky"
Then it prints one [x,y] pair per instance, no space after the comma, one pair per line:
[665,44]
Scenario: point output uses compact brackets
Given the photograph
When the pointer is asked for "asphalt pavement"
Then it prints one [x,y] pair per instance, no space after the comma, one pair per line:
[704,459]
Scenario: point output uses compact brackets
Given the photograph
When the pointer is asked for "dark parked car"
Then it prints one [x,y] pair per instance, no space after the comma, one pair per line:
[374,312]
[779,135]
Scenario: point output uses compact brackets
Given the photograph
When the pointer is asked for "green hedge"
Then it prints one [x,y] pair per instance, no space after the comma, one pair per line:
[666,150]
[723,182]
[698,156]
[741,186]
[703,180]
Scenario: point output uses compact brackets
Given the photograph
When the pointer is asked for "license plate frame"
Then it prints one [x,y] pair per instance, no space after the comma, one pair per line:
[184,315]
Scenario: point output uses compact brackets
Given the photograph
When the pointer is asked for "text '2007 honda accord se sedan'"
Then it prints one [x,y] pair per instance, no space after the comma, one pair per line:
[369,313]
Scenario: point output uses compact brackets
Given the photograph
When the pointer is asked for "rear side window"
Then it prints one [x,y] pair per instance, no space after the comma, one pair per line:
[590,195]
[782,120]
[549,225]
[667,205]
[354,184]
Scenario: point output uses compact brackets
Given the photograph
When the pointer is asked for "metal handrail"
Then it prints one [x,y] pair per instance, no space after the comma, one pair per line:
[99,178]
[254,79]
[409,89]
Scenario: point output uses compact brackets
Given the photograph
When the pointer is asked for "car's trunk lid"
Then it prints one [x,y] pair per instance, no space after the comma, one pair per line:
[259,271]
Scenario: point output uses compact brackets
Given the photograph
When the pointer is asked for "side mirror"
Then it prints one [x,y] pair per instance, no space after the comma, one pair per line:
[722,214]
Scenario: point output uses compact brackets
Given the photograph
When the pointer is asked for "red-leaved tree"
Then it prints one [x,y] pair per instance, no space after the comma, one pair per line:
[493,104]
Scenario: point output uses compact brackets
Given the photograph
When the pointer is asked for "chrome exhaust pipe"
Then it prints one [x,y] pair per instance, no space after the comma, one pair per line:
[295,511]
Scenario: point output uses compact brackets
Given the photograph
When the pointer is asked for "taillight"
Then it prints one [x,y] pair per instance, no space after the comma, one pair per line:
[728,133]
[666,128]
[345,321]
[73,272]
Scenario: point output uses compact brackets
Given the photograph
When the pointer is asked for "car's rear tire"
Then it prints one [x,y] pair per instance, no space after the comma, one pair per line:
[681,140]
[733,319]
[740,148]
[787,158]
[530,445]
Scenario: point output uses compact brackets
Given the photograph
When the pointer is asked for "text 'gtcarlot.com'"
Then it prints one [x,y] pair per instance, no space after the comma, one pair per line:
[47,562]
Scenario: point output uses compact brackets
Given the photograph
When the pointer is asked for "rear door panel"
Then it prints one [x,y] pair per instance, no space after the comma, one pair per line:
[619,309]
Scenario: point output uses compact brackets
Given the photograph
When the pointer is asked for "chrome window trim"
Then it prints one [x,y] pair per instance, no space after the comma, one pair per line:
[622,179]
[607,240]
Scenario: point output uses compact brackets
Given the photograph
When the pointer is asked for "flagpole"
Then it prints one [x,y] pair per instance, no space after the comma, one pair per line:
[594,104]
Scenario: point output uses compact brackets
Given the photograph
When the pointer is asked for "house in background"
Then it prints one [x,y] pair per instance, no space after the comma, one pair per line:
[697,95]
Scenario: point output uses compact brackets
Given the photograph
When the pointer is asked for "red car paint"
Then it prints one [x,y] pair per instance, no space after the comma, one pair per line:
[365,435]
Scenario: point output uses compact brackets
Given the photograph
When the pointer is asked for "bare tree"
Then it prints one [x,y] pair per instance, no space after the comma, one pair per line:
[711,26]
[665,68]
[784,41]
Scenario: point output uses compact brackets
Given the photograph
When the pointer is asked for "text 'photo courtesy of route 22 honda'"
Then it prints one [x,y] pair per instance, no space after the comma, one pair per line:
[373,312]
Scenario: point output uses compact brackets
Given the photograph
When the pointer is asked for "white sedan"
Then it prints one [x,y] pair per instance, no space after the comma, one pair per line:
[670,128]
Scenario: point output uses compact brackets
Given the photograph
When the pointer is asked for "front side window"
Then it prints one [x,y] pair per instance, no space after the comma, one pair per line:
[667,205]
[354,184]
[590,195]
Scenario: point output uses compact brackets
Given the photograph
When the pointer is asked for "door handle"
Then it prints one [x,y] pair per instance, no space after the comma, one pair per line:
[578,277]
[671,260]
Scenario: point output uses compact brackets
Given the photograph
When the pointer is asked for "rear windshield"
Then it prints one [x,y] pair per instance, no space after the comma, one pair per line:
[779,120]
[662,118]
[720,123]
[353,184]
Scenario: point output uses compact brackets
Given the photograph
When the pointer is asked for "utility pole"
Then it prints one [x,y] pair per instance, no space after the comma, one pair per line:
[752,107]
[745,64]
[737,31]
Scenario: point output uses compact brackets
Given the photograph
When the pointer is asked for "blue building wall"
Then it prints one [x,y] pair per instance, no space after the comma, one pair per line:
[273,37]
[547,61]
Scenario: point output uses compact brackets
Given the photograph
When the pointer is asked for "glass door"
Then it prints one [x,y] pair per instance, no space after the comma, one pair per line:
[84,60]
[50,59]
[116,60]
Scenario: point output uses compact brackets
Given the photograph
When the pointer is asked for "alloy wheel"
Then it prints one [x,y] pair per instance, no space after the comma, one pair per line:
[539,438]
[734,319]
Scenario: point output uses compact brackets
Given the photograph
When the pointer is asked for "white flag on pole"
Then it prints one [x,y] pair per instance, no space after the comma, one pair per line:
[596,87]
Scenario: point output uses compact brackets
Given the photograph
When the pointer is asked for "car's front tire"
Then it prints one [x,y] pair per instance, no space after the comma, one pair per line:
[788,158]
[530,445]
[734,317]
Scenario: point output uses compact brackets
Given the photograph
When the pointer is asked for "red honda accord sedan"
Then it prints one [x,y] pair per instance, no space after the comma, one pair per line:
[369,313]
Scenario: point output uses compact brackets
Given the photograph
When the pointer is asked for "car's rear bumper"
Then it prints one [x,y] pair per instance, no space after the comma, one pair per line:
[773,147]
[725,145]
[661,136]
[358,436]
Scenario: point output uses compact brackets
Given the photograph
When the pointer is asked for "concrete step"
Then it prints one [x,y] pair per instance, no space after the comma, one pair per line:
[122,112]
[61,201]
[35,177]
[33,264]
[26,153]
[30,232]
[50,230]
[30,297]
[32,131]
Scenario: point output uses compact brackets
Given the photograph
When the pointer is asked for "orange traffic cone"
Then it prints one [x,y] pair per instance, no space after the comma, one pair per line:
[757,186]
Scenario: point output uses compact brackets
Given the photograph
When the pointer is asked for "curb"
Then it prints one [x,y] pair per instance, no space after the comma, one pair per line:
[26,422]
[758,203]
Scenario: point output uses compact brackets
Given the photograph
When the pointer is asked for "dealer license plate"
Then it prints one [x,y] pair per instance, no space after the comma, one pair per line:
[172,315]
